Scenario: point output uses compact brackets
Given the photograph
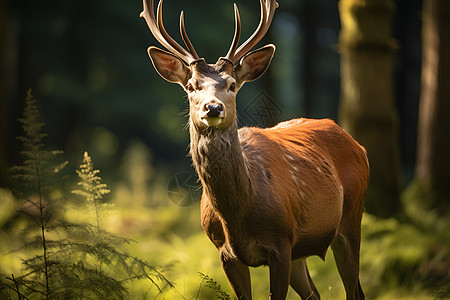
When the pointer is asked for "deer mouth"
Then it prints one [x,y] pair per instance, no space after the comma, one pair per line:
[212,121]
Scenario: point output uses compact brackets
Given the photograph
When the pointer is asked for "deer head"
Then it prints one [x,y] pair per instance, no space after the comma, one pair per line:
[211,88]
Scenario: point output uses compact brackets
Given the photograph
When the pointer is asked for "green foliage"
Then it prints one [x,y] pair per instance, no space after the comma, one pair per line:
[92,189]
[70,272]
[212,284]
[106,247]
[85,265]
[36,177]
[63,259]
[36,174]
[400,255]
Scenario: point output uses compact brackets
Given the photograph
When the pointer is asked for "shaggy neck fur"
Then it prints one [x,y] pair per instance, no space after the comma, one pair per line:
[219,162]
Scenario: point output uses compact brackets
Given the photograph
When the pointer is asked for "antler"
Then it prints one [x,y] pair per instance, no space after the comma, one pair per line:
[267,11]
[159,32]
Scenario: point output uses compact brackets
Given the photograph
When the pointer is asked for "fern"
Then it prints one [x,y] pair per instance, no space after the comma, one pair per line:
[212,284]
[36,176]
[106,247]
[92,188]
[67,261]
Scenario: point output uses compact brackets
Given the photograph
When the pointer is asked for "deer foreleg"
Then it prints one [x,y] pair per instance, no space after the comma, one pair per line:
[280,269]
[238,275]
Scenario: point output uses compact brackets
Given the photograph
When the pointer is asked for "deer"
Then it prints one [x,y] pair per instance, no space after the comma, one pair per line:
[270,196]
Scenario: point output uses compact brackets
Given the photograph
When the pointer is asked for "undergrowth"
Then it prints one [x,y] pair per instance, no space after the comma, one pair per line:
[60,259]
[214,285]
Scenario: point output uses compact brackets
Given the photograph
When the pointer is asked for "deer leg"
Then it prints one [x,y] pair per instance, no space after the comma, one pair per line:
[238,275]
[346,247]
[280,269]
[301,281]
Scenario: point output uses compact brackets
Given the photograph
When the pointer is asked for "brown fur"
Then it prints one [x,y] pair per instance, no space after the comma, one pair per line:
[270,196]
[246,210]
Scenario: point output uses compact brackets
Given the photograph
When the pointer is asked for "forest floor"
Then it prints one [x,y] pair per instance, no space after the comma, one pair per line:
[399,260]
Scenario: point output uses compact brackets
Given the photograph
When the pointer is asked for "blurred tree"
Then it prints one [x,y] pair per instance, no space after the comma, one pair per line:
[407,31]
[432,175]
[2,92]
[367,108]
[307,18]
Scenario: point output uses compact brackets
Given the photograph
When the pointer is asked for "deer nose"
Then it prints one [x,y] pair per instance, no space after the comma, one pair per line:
[213,110]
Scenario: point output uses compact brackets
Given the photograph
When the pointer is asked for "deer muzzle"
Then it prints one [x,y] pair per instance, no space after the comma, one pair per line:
[213,114]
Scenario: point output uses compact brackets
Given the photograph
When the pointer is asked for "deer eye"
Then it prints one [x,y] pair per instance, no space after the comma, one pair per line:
[232,87]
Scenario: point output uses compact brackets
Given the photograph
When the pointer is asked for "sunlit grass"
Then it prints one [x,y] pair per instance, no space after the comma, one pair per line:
[171,237]
[168,235]
[394,256]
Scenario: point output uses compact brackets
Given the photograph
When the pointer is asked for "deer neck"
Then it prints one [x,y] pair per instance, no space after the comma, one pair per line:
[218,159]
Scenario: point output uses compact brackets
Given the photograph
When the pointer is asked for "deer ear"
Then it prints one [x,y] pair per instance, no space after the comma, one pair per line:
[169,66]
[254,64]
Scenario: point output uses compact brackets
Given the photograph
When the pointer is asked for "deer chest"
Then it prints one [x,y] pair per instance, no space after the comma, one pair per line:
[249,251]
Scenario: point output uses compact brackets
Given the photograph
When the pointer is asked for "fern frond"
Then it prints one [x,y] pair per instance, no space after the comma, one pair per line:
[91,187]
[36,173]
[212,284]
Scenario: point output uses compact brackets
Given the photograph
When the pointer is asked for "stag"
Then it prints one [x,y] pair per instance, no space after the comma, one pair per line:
[270,196]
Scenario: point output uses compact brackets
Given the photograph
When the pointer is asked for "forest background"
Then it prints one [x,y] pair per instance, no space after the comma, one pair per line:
[380,68]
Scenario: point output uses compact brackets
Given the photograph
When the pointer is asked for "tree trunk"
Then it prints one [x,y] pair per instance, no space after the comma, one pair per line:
[3,119]
[433,146]
[367,109]
[307,19]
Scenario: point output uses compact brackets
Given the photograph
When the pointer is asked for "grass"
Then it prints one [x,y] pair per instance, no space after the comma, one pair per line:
[391,257]
[398,260]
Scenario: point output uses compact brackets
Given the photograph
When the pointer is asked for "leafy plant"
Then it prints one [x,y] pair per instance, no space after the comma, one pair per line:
[66,260]
[212,284]
[106,247]
[36,177]
[92,188]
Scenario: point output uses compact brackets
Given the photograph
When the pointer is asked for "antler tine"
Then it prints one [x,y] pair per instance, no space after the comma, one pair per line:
[156,26]
[237,33]
[185,38]
[267,11]
[168,38]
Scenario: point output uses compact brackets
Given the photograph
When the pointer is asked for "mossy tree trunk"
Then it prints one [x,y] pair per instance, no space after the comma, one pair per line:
[367,110]
[433,142]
